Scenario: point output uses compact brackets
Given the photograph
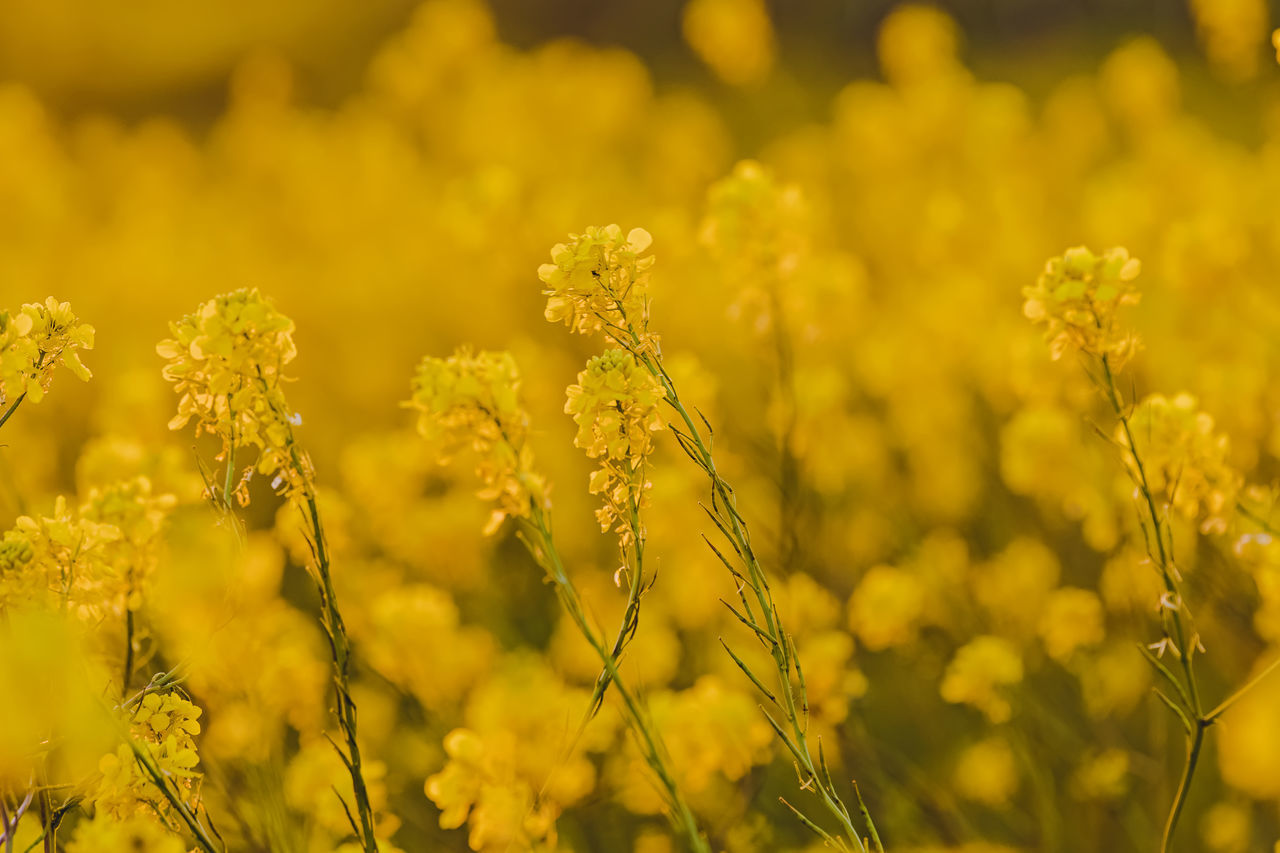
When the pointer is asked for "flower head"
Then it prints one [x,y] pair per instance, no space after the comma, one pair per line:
[1184,459]
[227,361]
[598,280]
[1078,297]
[615,405]
[474,399]
[34,341]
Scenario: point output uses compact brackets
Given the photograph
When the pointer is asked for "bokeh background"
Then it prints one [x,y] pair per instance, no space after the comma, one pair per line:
[920,473]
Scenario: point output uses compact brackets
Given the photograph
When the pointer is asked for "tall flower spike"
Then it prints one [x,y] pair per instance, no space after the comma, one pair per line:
[33,342]
[474,399]
[227,361]
[1078,297]
[599,281]
[615,405]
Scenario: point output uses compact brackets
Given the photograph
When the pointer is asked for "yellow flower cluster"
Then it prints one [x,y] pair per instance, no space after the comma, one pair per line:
[137,833]
[93,560]
[1078,296]
[164,726]
[1185,459]
[33,342]
[1233,33]
[733,37]
[474,399]
[508,775]
[479,787]
[615,405]
[757,229]
[599,280]
[227,362]
[979,672]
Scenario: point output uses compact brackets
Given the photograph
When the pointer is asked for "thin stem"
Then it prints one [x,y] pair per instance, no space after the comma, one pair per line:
[13,408]
[1184,785]
[340,648]
[543,549]
[724,509]
[1222,707]
[1172,615]
[162,781]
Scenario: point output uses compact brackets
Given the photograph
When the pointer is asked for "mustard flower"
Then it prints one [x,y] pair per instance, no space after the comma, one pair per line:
[1185,459]
[1078,297]
[979,671]
[599,281]
[474,399]
[733,37]
[165,726]
[139,833]
[33,342]
[615,405]
[227,362]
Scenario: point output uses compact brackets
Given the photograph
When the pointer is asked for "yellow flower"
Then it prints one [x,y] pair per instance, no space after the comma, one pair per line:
[599,281]
[227,362]
[33,342]
[1078,296]
[615,405]
[473,399]
[1184,459]
[1072,619]
[733,37]
[165,726]
[886,607]
[987,772]
[977,673]
[139,833]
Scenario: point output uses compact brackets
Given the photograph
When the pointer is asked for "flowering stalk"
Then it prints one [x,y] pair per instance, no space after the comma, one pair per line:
[1182,468]
[615,405]
[598,283]
[227,361]
[474,397]
[33,342]
[1189,709]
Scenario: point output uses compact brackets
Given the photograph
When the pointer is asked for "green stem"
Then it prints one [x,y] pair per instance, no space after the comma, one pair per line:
[1172,615]
[13,408]
[651,746]
[792,701]
[340,649]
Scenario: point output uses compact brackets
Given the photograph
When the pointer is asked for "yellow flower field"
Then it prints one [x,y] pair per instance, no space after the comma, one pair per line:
[449,438]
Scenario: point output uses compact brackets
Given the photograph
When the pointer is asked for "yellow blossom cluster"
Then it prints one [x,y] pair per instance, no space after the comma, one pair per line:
[137,832]
[164,726]
[979,674]
[615,405]
[1078,297]
[1185,459]
[34,341]
[599,281]
[474,399]
[958,557]
[227,363]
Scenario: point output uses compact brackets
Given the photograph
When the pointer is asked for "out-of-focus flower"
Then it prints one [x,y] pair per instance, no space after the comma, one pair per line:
[473,399]
[1078,297]
[1184,458]
[978,673]
[733,37]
